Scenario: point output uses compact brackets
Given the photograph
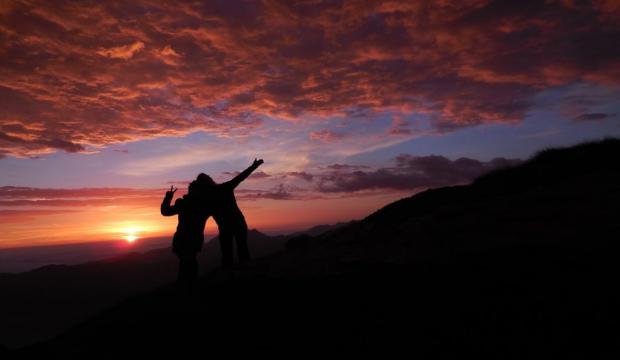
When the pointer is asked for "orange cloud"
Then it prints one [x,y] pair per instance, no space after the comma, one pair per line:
[124,52]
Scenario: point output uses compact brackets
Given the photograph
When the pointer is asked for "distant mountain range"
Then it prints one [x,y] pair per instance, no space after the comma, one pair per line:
[522,263]
[43,302]
[16,260]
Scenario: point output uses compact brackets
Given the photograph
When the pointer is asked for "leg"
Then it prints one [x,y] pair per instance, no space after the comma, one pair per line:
[241,236]
[188,271]
[192,272]
[180,274]
[226,245]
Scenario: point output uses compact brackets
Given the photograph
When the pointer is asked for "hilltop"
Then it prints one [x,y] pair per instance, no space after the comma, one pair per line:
[521,263]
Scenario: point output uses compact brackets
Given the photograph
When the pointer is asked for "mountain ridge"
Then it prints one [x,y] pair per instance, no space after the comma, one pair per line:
[517,264]
[29,316]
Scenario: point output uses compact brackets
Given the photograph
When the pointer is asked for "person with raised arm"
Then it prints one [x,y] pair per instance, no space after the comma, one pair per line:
[193,210]
[229,218]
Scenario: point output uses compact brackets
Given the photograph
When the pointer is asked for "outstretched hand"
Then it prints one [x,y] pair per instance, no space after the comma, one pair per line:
[257,162]
[170,193]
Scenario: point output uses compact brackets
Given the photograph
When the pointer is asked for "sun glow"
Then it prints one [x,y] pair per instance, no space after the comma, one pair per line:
[131,233]
[131,238]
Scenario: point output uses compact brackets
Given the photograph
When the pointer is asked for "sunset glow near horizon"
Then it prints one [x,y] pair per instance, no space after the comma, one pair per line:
[352,104]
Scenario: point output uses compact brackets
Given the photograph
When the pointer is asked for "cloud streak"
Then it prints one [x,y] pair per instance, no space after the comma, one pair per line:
[30,197]
[594,117]
[407,173]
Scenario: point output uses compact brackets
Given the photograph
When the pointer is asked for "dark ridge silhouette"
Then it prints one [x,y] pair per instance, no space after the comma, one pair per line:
[39,304]
[21,259]
[520,264]
[554,166]
[321,229]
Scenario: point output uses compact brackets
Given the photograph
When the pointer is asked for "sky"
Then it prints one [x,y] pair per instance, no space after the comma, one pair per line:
[351,104]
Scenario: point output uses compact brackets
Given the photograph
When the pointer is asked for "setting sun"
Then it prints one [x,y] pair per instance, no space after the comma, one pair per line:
[131,238]
[130,234]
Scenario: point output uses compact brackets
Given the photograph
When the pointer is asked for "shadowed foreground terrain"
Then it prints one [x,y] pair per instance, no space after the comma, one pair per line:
[522,263]
[39,304]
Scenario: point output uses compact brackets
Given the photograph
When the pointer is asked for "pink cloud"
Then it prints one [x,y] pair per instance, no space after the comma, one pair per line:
[254,175]
[326,135]
[399,126]
[300,175]
[79,75]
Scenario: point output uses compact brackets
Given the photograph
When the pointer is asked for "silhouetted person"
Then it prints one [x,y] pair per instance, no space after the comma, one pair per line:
[229,218]
[193,213]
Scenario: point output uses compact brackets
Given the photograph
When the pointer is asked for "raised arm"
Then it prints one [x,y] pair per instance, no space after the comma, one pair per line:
[245,173]
[166,209]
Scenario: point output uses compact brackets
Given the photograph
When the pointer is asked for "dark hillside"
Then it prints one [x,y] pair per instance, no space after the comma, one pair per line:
[520,264]
[38,304]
